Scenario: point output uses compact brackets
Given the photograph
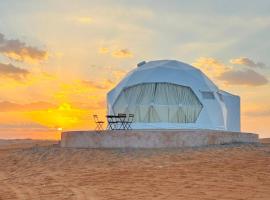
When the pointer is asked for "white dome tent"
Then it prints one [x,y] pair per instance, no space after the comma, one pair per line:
[169,94]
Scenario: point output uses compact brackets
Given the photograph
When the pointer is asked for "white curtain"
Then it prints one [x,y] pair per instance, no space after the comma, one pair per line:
[159,102]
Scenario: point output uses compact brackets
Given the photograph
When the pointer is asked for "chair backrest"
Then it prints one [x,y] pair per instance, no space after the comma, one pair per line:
[109,118]
[130,118]
[95,118]
[122,114]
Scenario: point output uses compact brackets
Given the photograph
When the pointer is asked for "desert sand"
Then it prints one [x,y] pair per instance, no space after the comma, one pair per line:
[42,170]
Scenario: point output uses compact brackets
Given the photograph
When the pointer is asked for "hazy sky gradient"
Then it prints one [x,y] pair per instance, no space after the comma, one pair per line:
[58,58]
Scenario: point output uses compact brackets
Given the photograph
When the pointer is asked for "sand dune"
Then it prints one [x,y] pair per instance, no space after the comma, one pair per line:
[42,170]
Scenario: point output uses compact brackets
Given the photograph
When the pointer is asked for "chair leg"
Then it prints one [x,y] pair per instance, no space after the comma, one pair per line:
[116,126]
[110,126]
[129,126]
[99,127]
[125,125]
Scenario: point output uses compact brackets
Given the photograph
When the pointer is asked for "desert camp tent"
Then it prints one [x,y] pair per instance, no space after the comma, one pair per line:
[169,94]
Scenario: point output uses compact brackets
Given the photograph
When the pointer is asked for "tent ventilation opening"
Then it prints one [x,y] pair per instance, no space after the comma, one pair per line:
[141,63]
[207,95]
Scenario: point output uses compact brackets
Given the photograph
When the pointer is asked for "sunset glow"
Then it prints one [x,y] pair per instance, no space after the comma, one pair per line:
[58,59]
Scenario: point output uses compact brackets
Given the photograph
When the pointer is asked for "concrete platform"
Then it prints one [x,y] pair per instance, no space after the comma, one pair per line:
[153,138]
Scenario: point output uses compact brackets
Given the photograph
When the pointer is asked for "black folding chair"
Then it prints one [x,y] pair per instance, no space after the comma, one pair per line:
[99,123]
[112,122]
[129,121]
[122,121]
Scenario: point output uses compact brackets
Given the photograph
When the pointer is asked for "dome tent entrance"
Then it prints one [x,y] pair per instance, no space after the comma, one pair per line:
[159,102]
[169,94]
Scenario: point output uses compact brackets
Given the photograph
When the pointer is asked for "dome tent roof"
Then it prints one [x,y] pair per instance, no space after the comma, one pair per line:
[167,71]
[219,112]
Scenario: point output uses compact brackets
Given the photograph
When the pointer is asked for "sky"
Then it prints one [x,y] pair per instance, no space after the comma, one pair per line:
[59,58]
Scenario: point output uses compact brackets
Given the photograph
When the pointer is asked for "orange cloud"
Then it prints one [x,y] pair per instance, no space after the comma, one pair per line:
[228,74]
[103,85]
[19,51]
[118,53]
[212,67]
[103,50]
[243,77]
[11,71]
[7,106]
[122,53]
[247,62]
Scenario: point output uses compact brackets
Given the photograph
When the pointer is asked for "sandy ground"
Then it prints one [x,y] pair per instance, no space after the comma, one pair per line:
[42,170]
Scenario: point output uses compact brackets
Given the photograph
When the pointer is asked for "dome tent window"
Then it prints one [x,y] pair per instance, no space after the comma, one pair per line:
[159,102]
[207,95]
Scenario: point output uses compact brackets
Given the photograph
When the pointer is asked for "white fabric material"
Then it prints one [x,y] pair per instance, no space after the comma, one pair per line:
[215,114]
[159,102]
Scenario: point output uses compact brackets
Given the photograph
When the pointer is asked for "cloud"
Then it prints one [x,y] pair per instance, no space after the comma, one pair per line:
[122,53]
[105,85]
[116,53]
[247,62]
[20,51]
[243,77]
[95,105]
[7,106]
[103,50]
[227,74]
[10,71]
[211,66]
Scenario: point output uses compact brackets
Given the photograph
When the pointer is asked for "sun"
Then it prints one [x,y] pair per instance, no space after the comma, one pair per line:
[63,117]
